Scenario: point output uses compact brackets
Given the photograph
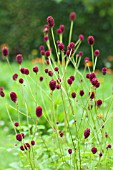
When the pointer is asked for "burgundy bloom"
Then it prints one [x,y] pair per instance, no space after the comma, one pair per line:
[5,51]
[35,69]
[97,84]
[47,62]
[73,94]
[104,70]
[42,52]
[92,75]
[61,134]
[27,146]
[59,31]
[100,154]
[72,16]
[47,53]
[58,86]
[13,97]
[41,78]
[46,70]
[61,46]
[96,53]
[81,93]
[91,40]
[21,80]
[94,150]
[81,37]
[19,58]
[2,94]
[22,148]
[22,70]
[56,68]
[72,78]
[50,73]
[38,111]
[88,76]
[15,76]
[62,28]
[26,71]
[70,151]
[92,95]
[16,124]
[99,103]
[41,47]
[19,137]
[32,142]
[81,53]
[50,21]
[86,59]
[108,146]
[52,84]
[86,133]
[46,29]
[70,81]
[46,38]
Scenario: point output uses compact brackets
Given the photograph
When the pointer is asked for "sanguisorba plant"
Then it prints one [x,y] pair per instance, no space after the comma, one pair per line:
[71,103]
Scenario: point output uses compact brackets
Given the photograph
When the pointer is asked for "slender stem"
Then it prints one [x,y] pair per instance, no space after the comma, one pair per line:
[70,33]
[92,56]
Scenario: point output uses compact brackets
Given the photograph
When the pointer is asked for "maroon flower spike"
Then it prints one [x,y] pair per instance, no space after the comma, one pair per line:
[61,46]
[100,154]
[19,137]
[96,53]
[16,124]
[50,21]
[108,146]
[86,59]
[99,103]
[32,142]
[81,37]
[94,150]
[59,31]
[62,28]
[104,71]
[41,47]
[38,111]
[58,86]
[81,92]
[19,58]
[47,53]
[46,29]
[70,81]
[15,76]
[86,133]
[46,38]
[41,78]
[26,71]
[42,52]
[22,70]
[88,76]
[91,40]
[70,151]
[13,97]
[56,68]
[72,16]
[21,80]
[46,70]
[35,69]
[61,134]
[2,94]
[72,78]
[50,73]
[47,62]
[27,146]
[73,94]
[92,95]
[22,148]
[80,53]
[5,51]
[52,84]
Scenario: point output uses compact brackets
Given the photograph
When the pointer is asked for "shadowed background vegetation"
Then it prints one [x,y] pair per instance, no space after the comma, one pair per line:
[21,24]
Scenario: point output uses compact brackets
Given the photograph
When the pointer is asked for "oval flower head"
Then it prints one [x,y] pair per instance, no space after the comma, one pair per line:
[38,111]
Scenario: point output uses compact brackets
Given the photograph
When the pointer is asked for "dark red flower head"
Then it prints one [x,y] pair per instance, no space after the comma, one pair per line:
[22,148]
[15,76]
[86,133]
[26,71]
[46,38]
[50,73]
[22,70]
[42,52]
[73,94]
[52,84]
[13,97]
[100,154]
[108,146]
[27,146]
[72,78]
[72,16]
[47,53]
[46,29]
[86,59]
[38,111]
[61,46]
[16,124]
[50,21]
[35,69]
[81,53]
[96,53]
[69,81]
[104,70]
[81,37]
[99,103]
[19,58]
[41,78]
[41,47]
[94,150]
[81,93]
[5,51]
[19,137]
[70,151]
[21,80]
[91,40]
[59,31]
[32,142]
[62,28]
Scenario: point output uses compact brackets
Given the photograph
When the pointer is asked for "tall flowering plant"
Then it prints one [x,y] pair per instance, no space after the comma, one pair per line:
[72,103]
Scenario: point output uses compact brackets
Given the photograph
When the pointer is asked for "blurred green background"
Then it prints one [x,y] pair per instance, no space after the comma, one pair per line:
[21,24]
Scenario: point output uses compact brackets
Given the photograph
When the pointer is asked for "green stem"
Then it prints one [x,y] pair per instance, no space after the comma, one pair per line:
[70,33]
